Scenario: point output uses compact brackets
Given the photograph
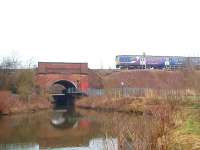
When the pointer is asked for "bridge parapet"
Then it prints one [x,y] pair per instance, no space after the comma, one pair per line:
[62,68]
[50,73]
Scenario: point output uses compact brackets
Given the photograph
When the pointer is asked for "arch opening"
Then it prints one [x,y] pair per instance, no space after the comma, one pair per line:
[60,91]
[62,86]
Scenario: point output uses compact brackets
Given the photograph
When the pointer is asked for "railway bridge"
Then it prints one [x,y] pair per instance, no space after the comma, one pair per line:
[63,80]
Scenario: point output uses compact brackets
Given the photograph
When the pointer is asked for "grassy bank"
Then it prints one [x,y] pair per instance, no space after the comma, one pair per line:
[134,104]
[117,105]
[163,123]
[187,135]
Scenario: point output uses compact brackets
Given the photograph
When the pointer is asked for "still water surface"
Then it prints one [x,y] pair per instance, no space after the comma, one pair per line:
[56,130]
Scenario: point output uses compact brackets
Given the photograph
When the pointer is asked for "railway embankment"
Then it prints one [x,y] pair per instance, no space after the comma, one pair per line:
[157,79]
[174,84]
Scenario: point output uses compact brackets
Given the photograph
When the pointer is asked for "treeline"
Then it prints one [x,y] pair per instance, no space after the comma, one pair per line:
[17,78]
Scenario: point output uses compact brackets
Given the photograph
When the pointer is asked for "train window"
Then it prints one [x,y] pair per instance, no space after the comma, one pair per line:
[125,59]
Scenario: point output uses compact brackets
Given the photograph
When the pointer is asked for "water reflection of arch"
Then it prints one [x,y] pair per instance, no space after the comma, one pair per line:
[69,119]
[64,118]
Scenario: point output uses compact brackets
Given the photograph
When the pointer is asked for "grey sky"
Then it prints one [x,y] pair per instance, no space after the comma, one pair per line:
[95,31]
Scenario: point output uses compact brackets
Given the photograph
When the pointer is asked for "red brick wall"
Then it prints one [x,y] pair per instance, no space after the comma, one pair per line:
[46,80]
[64,68]
[49,73]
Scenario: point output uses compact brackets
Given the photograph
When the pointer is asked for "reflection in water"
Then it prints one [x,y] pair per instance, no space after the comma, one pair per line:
[57,129]
[64,118]
[94,144]
[19,147]
[60,129]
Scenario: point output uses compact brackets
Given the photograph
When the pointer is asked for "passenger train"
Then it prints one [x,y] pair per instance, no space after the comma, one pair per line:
[156,62]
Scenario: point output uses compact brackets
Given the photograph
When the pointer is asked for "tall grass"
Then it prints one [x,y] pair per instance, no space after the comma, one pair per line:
[150,131]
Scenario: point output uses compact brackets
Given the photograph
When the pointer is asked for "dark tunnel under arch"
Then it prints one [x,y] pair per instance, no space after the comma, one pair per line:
[65,100]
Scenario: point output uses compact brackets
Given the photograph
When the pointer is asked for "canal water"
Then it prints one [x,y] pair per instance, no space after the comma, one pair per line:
[58,129]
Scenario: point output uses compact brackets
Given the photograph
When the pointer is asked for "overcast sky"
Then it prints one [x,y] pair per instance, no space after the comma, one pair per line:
[95,31]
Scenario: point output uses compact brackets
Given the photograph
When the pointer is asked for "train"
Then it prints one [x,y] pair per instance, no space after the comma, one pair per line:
[156,62]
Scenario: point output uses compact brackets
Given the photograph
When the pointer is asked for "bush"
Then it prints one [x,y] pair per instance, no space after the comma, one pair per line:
[25,83]
[19,81]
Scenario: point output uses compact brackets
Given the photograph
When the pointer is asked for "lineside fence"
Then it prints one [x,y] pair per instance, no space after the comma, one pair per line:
[142,92]
[134,92]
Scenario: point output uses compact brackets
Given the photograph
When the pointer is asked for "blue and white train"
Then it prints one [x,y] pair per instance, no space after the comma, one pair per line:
[156,62]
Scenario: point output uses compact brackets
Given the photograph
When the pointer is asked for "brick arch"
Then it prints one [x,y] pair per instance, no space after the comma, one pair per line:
[61,85]
[64,80]
[49,73]
[49,79]
[53,81]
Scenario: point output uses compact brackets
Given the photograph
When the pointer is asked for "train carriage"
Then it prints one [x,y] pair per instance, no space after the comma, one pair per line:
[157,62]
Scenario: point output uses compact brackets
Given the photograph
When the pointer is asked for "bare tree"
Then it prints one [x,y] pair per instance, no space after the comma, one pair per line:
[10,62]
[30,64]
[8,66]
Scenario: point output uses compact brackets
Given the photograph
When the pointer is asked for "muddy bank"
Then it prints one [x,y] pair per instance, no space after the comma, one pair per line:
[11,103]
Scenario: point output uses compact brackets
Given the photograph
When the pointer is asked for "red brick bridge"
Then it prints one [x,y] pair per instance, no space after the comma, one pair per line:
[67,75]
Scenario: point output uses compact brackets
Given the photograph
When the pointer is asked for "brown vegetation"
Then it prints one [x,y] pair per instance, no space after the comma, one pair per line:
[25,83]
[18,91]
[4,98]
[150,131]
[106,104]
[95,80]
[163,113]
[11,103]
[181,79]
[157,128]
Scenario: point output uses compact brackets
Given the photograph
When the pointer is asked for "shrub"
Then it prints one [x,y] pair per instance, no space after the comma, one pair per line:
[25,83]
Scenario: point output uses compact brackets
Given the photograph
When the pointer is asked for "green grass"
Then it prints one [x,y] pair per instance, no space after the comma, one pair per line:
[191,126]
[193,97]
[187,136]
[196,106]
